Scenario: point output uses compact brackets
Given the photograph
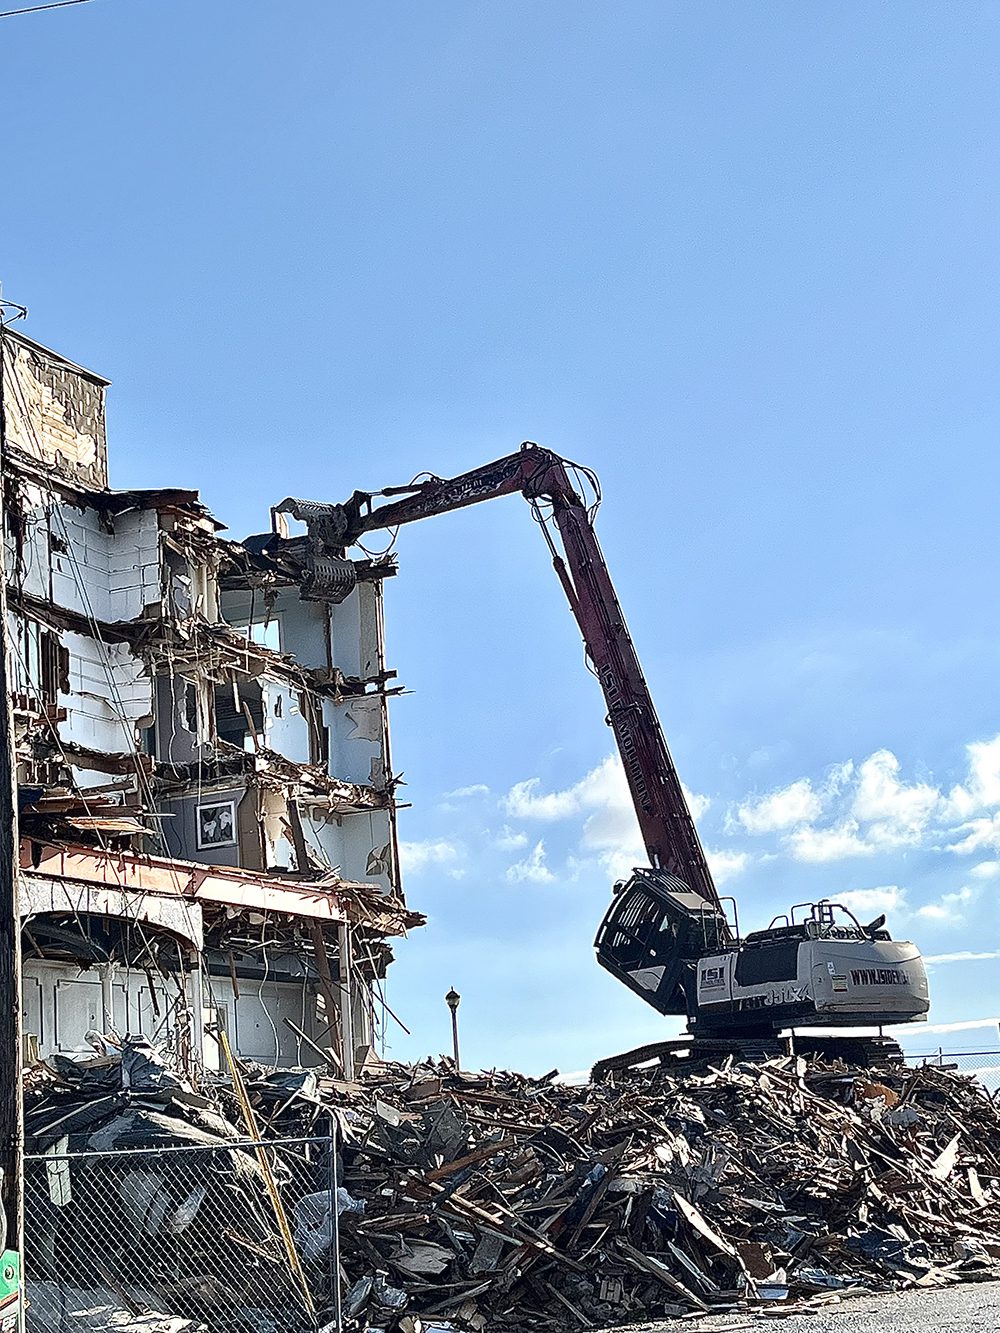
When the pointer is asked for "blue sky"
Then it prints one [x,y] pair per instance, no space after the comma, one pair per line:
[741,259]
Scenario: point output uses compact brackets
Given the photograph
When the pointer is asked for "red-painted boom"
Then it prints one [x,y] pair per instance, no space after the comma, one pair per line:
[668,830]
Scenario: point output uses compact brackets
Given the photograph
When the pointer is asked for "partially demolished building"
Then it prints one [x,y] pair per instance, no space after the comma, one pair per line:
[206,795]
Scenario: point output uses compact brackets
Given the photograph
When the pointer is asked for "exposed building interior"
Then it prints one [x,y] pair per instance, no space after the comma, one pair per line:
[206,793]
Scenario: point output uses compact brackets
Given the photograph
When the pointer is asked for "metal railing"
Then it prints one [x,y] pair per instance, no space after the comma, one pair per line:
[237,1238]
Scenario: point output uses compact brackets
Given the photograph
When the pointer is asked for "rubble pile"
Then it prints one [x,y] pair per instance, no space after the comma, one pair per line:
[494,1201]
[145,1211]
[499,1202]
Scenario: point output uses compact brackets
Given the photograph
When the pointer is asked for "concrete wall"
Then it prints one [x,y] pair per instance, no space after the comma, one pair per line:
[286,731]
[356,741]
[302,627]
[62,1002]
[256,1024]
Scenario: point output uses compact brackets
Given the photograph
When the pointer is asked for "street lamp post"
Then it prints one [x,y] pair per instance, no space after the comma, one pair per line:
[452,1000]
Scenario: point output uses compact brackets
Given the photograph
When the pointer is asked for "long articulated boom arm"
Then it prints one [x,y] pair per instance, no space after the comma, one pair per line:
[668,830]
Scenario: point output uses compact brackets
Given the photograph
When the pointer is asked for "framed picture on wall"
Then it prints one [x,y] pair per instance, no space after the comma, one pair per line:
[216,824]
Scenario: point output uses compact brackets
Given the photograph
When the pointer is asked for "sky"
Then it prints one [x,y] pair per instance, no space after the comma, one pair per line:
[741,260]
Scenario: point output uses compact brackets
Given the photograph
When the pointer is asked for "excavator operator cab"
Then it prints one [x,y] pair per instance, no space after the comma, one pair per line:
[653,934]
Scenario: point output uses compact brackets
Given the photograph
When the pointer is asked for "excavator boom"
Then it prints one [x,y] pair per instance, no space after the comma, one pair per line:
[665,935]
[661,808]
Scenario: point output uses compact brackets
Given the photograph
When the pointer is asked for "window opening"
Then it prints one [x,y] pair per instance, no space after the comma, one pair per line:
[191,706]
[233,702]
[266,633]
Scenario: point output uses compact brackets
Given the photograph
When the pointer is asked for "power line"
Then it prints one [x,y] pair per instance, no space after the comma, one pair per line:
[33,9]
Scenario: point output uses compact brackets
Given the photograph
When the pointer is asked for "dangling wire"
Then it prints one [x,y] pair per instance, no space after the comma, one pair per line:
[592,481]
[380,555]
[415,481]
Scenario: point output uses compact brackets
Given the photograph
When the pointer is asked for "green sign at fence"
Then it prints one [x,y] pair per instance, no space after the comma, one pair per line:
[10,1291]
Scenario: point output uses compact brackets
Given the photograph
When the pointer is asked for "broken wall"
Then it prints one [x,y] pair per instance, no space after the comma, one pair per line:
[55,411]
[110,694]
[104,567]
[145,721]
[359,843]
[74,572]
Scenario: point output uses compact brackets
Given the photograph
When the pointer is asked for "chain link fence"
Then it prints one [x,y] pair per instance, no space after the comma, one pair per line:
[982,1065]
[241,1238]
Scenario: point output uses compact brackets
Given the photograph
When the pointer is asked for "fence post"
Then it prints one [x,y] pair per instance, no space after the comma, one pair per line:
[334,1260]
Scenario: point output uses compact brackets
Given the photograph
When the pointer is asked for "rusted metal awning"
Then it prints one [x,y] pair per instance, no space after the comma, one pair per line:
[227,885]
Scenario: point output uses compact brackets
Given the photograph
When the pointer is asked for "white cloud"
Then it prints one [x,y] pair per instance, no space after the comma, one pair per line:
[894,901]
[963,956]
[968,1025]
[610,831]
[612,836]
[980,835]
[525,801]
[795,804]
[949,910]
[870,807]
[462,793]
[510,840]
[602,786]
[696,802]
[532,869]
[838,778]
[897,812]
[984,770]
[851,810]
[866,904]
[417,856]
[726,865]
[981,790]
[829,844]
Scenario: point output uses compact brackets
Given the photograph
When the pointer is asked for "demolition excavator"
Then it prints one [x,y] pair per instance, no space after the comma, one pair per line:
[668,934]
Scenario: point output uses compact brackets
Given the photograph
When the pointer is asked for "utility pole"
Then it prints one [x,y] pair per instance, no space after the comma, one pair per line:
[11,1113]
